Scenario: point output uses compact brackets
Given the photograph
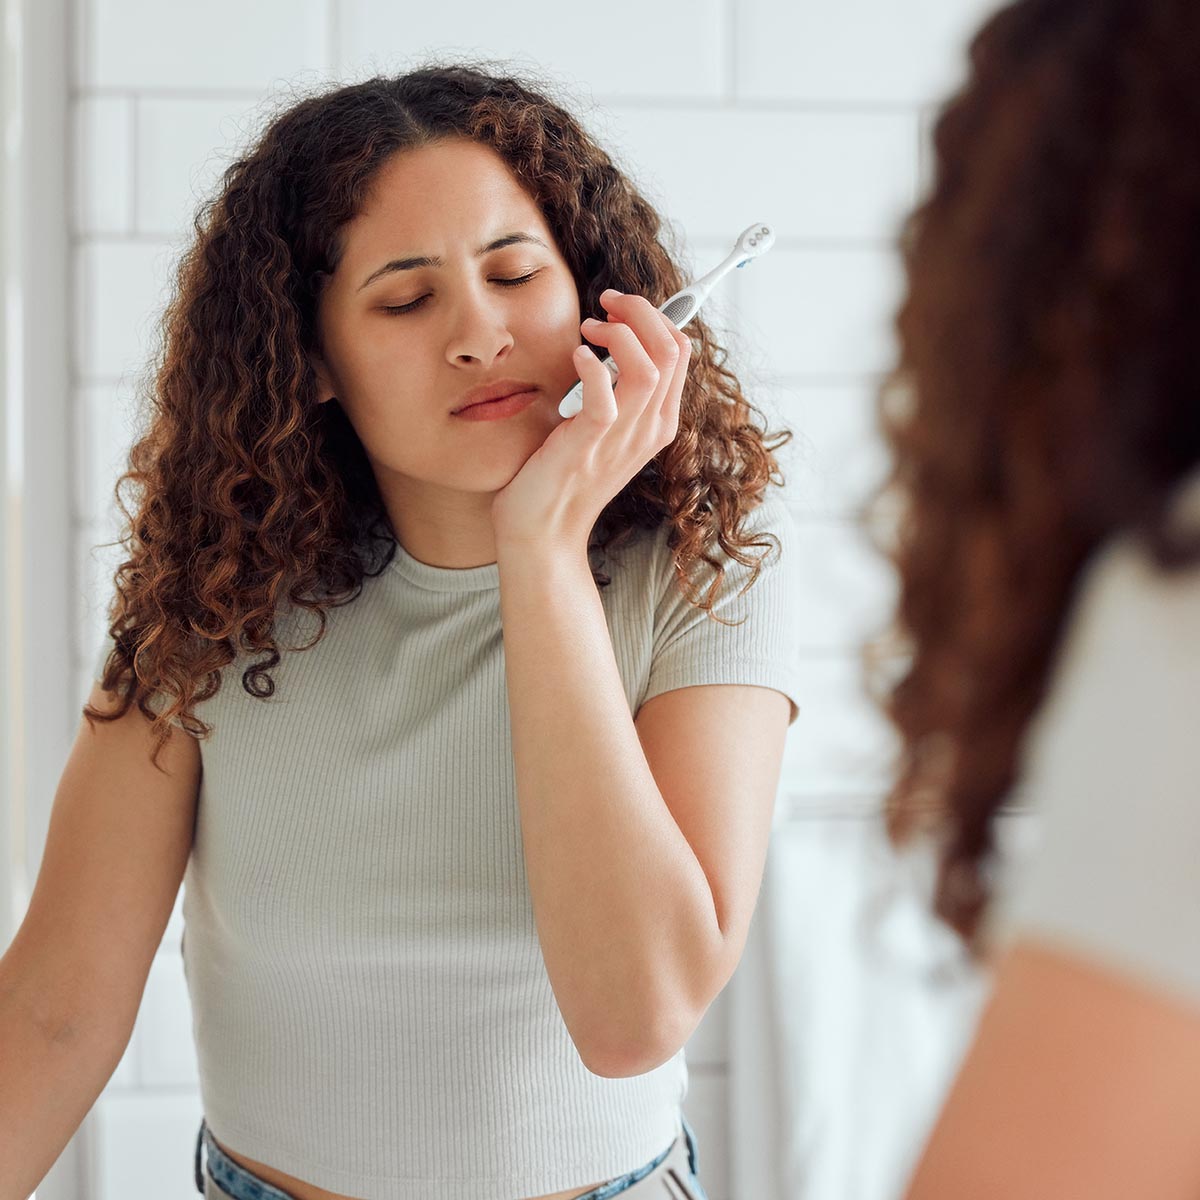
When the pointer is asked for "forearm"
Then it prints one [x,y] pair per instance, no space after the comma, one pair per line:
[624,911]
[51,1072]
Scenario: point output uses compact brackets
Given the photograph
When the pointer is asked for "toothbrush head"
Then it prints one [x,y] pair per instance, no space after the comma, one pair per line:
[755,241]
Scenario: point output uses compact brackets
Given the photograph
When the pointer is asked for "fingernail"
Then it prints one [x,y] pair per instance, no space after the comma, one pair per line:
[610,292]
[590,321]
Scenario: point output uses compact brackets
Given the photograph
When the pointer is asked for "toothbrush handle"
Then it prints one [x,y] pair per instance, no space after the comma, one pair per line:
[684,305]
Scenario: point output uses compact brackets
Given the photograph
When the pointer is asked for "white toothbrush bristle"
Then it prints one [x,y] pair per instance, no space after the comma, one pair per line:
[681,310]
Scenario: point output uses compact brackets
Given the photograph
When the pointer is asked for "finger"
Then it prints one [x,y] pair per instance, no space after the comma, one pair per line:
[668,413]
[648,323]
[634,364]
[599,402]
[674,396]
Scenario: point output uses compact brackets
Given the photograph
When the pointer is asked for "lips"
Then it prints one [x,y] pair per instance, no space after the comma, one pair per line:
[493,399]
[495,390]
[498,410]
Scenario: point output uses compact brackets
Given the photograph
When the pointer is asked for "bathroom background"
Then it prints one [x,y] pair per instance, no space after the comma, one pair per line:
[817,1072]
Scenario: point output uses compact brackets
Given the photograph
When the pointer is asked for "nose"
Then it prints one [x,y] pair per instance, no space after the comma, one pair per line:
[479,329]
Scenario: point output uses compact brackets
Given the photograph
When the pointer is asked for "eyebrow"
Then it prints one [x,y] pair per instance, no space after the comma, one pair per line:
[426,260]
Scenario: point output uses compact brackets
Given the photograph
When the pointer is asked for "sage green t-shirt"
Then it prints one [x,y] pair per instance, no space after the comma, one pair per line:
[371,1009]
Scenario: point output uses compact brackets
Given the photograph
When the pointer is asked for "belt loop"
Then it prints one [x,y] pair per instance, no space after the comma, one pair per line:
[199,1144]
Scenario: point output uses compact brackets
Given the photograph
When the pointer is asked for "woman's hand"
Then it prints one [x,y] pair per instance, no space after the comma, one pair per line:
[564,486]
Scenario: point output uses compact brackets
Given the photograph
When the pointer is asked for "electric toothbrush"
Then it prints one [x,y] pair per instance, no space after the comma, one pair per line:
[684,305]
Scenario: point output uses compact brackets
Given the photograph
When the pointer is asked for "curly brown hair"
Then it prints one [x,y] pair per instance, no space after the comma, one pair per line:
[1046,395]
[250,491]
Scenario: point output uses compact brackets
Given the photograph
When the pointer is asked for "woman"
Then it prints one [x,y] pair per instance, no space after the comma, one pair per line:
[470,867]
[1045,425]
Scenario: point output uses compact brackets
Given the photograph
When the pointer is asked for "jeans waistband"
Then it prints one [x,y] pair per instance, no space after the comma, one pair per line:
[685,1129]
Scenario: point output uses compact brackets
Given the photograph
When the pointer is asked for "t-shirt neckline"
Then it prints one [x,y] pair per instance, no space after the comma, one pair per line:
[444,579]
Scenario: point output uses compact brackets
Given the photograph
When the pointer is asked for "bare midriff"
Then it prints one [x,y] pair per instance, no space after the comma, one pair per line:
[308,1191]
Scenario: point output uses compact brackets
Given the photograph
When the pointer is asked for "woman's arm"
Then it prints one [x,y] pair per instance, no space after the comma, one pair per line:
[1082,1083]
[640,904]
[624,905]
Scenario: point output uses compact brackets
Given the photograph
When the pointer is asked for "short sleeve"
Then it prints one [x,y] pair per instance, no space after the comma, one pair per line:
[1111,777]
[691,648]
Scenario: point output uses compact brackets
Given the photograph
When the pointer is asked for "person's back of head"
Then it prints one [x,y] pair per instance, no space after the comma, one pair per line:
[1046,395]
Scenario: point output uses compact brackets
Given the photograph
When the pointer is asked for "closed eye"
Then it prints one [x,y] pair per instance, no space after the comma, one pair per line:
[395,309]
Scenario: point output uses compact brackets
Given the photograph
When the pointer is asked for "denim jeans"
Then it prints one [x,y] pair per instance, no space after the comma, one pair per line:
[677,1165]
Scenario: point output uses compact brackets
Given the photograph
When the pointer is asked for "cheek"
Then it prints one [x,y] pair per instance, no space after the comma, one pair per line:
[559,317]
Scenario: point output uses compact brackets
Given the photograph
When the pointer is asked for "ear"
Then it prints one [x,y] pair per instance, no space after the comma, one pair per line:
[325,389]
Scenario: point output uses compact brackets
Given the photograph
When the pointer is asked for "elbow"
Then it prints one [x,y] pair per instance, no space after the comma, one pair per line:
[614,1053]
[619,1043]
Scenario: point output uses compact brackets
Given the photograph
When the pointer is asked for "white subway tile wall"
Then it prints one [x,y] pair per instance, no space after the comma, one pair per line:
[812,117]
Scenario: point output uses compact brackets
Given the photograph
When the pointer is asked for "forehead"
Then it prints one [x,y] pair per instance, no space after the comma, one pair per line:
[445,190]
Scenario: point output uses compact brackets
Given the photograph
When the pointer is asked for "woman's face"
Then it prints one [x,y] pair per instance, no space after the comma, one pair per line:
[400,375]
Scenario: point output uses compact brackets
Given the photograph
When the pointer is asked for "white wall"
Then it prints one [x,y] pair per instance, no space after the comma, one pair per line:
[801,113]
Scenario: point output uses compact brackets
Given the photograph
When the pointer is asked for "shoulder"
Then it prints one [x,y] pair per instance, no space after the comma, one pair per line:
[1107,773]
[647,558]
[1126,682]
[1130,650]
[772,517]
